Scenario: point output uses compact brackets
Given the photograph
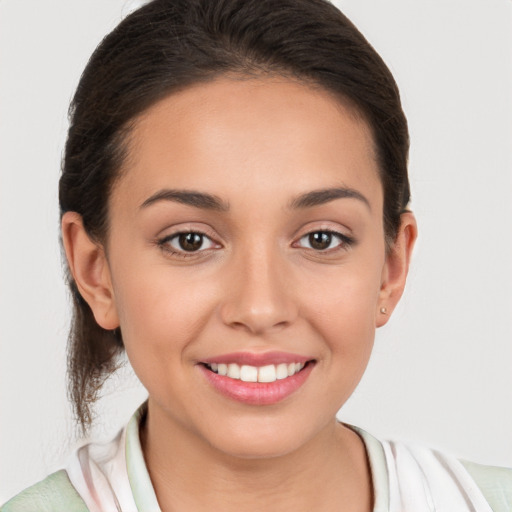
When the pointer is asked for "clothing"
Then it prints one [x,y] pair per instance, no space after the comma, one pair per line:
[113,477]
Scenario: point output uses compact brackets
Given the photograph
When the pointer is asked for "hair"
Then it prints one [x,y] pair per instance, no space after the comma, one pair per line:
[167,45]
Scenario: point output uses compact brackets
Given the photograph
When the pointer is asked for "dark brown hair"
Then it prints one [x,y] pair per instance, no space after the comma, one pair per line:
[168,45]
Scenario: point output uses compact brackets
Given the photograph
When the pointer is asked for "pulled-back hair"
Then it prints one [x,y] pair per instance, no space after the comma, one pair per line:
[168,45]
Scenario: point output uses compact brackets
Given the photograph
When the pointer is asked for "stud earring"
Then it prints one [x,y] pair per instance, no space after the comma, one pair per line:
[384,310]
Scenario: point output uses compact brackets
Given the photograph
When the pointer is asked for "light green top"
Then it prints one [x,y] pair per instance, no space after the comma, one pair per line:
[53,494]
[495,484]
[56,493]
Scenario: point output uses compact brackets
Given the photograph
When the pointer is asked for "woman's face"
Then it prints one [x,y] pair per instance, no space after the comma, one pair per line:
[246,236]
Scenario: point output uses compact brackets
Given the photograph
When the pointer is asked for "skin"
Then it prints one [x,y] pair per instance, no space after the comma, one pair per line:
[256,285]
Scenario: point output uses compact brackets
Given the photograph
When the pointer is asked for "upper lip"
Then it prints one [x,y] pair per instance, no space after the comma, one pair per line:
[258,359]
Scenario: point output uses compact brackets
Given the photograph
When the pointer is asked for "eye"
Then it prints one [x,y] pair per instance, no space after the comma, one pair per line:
[190,241]
[324,240]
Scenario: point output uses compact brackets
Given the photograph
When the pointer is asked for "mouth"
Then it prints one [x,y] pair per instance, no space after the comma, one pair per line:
[264,374]
[261,383]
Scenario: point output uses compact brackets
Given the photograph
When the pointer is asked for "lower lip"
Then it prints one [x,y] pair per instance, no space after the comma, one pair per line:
[257,393]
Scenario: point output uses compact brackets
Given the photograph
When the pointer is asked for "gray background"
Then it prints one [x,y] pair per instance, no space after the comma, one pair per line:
[440,373]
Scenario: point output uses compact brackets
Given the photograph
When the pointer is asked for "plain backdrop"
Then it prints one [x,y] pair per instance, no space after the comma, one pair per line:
[441,372]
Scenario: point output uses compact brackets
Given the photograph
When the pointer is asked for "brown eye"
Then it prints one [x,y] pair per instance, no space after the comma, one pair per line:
[325,240]
[320,240]
[190,241]
[187,242]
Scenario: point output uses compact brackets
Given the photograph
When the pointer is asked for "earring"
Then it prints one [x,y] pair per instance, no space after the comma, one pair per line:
[384,310]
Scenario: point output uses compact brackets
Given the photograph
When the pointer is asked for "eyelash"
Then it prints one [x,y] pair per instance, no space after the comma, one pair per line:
[344,241]
[165,243]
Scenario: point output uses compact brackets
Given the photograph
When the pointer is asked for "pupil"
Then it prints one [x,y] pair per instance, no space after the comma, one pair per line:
[191,241]
[320,240]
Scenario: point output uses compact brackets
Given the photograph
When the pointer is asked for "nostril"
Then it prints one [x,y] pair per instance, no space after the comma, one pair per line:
[256,308]
[240,326]
[258,327]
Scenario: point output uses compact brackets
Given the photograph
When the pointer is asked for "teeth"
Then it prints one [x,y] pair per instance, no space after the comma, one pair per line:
[247,373]
[267,373]
[233,371]
[281,371]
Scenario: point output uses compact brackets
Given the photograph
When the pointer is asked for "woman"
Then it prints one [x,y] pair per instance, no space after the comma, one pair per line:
[234,214]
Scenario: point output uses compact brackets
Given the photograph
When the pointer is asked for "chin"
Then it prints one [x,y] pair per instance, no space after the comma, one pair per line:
[261,438]
[258,449]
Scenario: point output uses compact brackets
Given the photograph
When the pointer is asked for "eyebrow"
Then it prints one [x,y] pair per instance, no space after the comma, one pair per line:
[188,197]
[211,202]
[322,196]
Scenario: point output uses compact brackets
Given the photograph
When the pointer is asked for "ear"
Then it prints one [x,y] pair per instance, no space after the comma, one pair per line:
[89,267]
[396,268]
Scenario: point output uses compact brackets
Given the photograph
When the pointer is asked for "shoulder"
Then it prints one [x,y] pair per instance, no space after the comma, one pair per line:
[484,487]
[495,483]
[53,494]
[407,477]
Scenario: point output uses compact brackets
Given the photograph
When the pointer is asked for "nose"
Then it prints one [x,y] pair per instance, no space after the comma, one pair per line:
[259,295]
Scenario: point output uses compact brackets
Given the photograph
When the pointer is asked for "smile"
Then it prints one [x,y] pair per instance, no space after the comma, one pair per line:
[257,379]
[248,373]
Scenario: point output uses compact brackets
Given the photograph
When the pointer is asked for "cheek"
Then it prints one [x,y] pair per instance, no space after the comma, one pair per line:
[346,300]
[160,314]
[346,323]
[347,326]
[342,310]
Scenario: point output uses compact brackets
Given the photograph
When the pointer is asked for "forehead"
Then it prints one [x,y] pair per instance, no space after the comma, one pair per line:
[230,135]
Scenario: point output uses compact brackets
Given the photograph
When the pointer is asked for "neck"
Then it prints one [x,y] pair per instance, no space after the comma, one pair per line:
[329,472]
